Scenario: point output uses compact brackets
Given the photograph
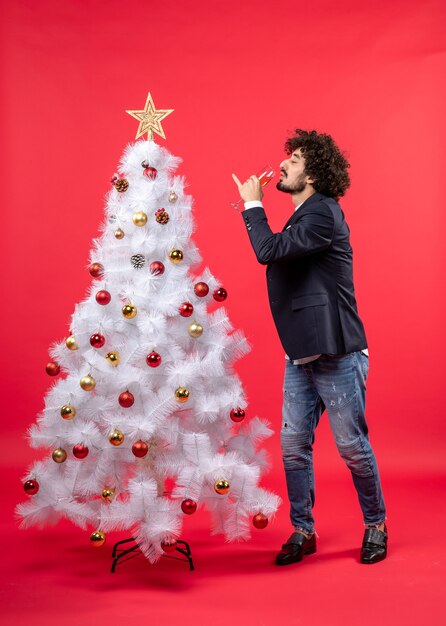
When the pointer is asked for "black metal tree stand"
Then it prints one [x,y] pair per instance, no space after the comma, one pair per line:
[121,555]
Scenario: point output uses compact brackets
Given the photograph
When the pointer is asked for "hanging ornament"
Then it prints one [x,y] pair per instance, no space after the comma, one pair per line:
[71,344]
[59,455]
[97,538]
[97,340]
[140,449]
[121,185]
[103,297]
[113,358]
[182,394]
[68,411]
[195,329]
[107,495]
[176,256]
[153,359]
[137,260]
[119,233]
[162,216]
[237,415]
[221,486]
[111,219]
[150,172]
[169,545]
[186,309]
[96,270]
[116,437]
[156,268]
[114,178]
[87,383]
[201,289]
[126,399]
[31,487]
[80,451]
[139,218]
[129,311]
[145,164]
[188,506]
[52,368]
[173,197]
[220,294]
[260,521]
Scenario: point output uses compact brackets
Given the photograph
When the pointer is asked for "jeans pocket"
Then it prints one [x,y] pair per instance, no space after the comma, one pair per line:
[364,365]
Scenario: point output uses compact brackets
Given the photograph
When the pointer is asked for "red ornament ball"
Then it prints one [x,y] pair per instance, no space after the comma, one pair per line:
[97,340]
[201,289]
[220,294]
[80,451]
[96,270]
[260,521]
[153,359]
[237,415]
[150,172]
[169,546]
[140,449]
[103,297]
[186,309]
[188,506]
[31,487]
[126,399]
[52,368]
[156,268]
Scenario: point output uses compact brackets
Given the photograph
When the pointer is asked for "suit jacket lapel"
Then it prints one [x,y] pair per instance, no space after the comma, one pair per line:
[308,202]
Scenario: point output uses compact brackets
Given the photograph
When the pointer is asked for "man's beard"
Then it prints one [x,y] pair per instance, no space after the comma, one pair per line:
[297,187]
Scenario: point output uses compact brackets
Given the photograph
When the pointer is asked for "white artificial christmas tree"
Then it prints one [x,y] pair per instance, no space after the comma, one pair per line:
[148,391]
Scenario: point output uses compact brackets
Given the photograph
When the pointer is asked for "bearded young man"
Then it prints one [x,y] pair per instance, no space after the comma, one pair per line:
[312,298]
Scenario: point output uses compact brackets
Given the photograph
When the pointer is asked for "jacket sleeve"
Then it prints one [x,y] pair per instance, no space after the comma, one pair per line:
[312,233]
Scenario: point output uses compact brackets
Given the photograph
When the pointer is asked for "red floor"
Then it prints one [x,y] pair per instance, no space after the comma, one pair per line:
[54,576]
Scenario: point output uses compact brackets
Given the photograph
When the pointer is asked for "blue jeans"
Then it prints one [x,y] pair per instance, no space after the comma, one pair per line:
[337,383]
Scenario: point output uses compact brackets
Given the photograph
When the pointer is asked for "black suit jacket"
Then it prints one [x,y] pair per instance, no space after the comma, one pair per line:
[310,278]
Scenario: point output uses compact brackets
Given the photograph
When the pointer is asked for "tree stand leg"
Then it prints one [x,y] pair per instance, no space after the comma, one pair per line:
[120,555]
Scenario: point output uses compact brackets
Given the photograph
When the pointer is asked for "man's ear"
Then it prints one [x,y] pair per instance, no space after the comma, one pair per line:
[310,180]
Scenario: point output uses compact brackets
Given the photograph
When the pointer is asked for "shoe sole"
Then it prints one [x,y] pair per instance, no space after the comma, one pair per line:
[307,553]
[381,558]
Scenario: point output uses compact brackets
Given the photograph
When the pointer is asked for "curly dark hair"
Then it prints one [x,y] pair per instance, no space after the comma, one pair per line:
[323,161]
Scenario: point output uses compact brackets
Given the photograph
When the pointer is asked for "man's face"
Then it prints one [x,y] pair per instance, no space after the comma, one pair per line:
[293,178]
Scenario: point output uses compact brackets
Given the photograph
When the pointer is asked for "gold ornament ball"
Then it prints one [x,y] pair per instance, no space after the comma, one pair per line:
[182,394]
[129,311]
[116,437]
[71,343]
[97,538]
[108,493]
[173,197]
[87,382]
[221,487]
[176,256]
[113,358]
[59,455]
[195,329]
[119,233]
[68,411]
[139,218]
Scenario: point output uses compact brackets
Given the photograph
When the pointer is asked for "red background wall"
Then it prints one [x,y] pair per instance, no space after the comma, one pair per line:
[240,76]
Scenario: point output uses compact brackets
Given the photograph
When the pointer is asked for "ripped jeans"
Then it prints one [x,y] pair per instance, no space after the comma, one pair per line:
[337,383]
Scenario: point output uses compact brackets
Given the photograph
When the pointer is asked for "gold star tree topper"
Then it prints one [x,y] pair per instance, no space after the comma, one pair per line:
[150,119]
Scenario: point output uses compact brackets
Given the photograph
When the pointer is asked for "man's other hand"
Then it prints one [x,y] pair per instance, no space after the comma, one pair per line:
[250,189]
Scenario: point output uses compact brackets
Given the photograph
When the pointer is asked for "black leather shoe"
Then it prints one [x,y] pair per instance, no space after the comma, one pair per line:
[296,548]
[374,545]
